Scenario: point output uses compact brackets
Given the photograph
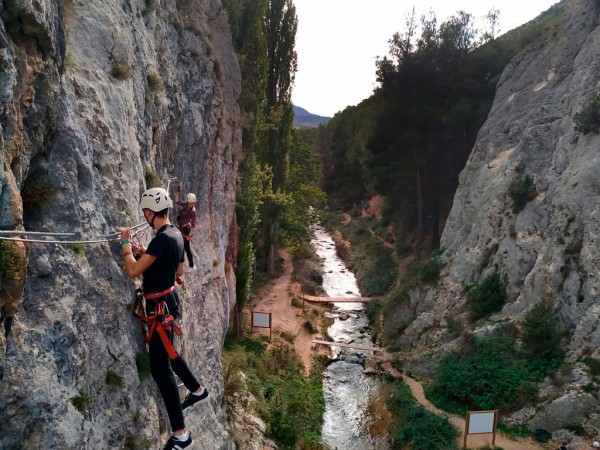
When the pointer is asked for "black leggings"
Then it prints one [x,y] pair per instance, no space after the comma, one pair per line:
[188,252]
[162,369]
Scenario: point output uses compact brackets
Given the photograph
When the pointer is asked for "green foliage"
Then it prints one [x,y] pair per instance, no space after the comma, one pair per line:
[250,197]
[152,178]
[308,269]
[291,403]
[9,260]
[427,272]
[541,334]
[490,373]
[113,379]
[135,442]
[485,376]
[370,259]
[593,366]
[520,430]
[154,81]
[305,196]
[78,249]
[588,119]
[142,362]
[310,326]
[81,401]
[35,194]
[416,428]
[488,296]
[120,71]
[521,191]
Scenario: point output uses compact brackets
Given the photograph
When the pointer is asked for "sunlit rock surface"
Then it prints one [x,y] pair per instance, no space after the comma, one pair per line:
[92,93]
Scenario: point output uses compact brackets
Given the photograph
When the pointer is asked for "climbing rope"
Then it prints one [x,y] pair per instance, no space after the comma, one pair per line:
[100,239]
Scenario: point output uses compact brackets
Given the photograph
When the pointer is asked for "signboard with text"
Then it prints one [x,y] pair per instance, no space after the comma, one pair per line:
[262,320]
[481,422]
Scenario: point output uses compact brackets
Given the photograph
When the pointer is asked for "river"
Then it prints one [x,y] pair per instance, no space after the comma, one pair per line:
[349,393]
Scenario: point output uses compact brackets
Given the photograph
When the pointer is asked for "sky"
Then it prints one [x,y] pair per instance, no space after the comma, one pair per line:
[338,42]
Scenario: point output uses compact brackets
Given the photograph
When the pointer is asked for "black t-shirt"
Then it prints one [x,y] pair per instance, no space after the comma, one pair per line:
[167,246]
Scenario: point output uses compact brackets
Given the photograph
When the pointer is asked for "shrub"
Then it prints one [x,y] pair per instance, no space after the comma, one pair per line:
[81,401]
[9,260]
[541,335]
[373,309]
[78,249]
[593,366]
[588,119]
[135,442]
[152,178]
[521,191]
[484,376]
[488,296]
[35,194]
[428,272]
[416,428]
[142,362]
[514,431]
[120,71]
[308,270]
[113,379]
[154,81]
[310,326]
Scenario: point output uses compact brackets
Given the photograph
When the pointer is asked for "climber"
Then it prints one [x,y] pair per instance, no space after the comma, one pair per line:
[159,265]
[186,218]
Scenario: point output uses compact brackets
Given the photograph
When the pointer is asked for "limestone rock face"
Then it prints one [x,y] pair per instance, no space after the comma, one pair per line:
[549,249]
[96,96]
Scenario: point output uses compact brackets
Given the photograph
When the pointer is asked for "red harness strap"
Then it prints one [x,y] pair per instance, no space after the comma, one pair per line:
[154,295]
[161,321]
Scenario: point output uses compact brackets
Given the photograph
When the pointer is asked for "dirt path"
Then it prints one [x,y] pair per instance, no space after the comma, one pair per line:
[473,440]
[277,299]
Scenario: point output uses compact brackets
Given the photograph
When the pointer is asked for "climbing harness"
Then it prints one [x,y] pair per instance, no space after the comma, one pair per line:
[160,320]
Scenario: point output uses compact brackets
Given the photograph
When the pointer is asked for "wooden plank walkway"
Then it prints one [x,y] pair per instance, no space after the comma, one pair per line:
[356,347]
[310,298]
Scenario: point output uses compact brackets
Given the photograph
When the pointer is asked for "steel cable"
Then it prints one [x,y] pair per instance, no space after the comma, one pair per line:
[107,238]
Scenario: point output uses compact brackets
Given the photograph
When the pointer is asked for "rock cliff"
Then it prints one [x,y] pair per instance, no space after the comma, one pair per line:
[549,249]
[97,98]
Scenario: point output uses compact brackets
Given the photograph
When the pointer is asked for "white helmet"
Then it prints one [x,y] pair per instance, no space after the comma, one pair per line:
[156,199]
[596,444]
[190,198]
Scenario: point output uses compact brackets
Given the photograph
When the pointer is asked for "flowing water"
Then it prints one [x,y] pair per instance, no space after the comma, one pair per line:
[349,415]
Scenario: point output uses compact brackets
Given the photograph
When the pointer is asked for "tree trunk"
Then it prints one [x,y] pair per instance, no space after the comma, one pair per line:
[419,241]
[435,223]
[271,248]
[237,320]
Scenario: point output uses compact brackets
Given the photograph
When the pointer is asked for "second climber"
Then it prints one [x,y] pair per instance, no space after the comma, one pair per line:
[186,218]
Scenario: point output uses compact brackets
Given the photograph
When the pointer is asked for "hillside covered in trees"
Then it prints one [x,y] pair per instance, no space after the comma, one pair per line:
[410,140]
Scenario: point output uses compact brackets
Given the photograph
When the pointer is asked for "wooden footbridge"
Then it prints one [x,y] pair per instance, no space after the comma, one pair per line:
[311,298]
[341,344]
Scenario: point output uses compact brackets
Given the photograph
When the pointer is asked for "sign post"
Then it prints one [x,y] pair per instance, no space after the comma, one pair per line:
[262,320]
[480,422]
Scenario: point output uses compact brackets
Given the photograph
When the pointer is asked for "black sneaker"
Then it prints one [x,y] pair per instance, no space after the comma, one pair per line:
[192,399]
[175,444]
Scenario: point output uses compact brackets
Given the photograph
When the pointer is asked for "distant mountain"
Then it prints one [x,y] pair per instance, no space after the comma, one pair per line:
[304,119]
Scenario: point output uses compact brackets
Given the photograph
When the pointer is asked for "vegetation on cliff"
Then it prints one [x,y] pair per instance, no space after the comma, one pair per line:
[291,403]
